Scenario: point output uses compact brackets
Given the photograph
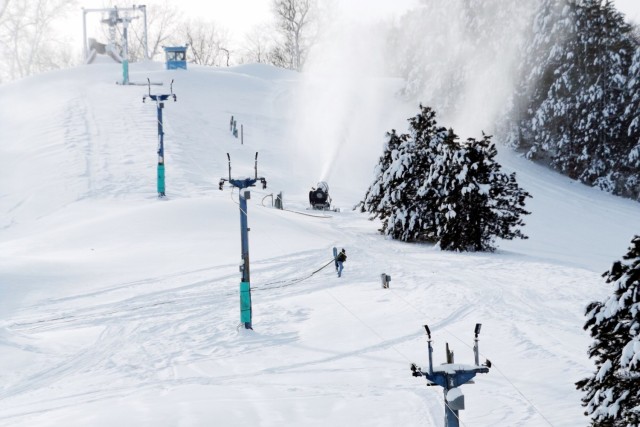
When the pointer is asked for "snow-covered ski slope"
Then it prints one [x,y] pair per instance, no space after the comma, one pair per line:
[117,308]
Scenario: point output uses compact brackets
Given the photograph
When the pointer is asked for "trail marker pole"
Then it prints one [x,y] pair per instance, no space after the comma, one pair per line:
[159,99]
[246,313]
[450,376]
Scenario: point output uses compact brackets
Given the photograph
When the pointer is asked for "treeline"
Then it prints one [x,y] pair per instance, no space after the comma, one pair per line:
[576,103]
[557,80]
[431,187]
[31,41]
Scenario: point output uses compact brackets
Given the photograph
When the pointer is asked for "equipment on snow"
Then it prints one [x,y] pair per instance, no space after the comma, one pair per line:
[245,283]
[450,377]
[319,196]
[116,16]
[159,106]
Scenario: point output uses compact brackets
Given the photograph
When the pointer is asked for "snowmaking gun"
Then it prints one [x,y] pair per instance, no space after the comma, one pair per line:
[319,198]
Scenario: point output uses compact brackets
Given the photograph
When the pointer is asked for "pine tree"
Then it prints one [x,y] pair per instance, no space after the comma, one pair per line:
[601,96]
[376,200]
[394,196]
[628,183]
[400,194]
[436,185]
[430,187]
[549,74]
[481,202]
[613,392]
[569,107]
[417,222]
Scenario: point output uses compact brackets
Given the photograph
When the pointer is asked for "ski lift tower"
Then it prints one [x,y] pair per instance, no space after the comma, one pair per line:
[245,283]
[160,99]
[450,376]
[114,18]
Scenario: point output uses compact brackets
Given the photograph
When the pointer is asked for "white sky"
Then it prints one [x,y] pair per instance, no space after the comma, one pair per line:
[239,16]
[244,14]
[631,8]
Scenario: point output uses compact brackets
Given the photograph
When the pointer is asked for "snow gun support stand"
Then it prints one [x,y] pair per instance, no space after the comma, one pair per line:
[450,376]
[160,99]
[245,282]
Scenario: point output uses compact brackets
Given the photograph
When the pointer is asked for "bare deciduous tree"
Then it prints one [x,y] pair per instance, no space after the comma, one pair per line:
[294,20]
[257,44]
[29,43]
[163,27]
[3,7]
[208,43]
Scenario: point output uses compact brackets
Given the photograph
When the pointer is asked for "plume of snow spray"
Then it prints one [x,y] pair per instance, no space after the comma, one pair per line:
[456,56]
[340,112]
[460,58]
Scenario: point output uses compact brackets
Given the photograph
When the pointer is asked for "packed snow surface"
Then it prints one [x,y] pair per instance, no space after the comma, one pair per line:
[117,308]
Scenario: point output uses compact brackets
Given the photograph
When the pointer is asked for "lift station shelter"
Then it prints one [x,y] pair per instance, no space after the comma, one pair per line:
[176,57]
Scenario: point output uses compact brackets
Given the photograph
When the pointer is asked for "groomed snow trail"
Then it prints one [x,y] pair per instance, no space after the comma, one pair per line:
[118,308]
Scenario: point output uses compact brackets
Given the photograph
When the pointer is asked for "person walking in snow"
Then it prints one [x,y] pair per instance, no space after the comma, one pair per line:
[340,259]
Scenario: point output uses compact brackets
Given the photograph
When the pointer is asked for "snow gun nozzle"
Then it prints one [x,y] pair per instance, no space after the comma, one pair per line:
[415,370]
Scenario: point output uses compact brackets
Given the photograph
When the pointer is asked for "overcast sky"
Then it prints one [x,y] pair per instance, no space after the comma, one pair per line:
[631,8]
[239,16]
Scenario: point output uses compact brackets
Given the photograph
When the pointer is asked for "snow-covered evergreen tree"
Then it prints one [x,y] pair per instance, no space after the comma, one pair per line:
[613,391]
[629,181]
[479,203]
[602,141]
[416,222]
[377,199]
[393,197]
[430,187]
[569,108]
[549,73]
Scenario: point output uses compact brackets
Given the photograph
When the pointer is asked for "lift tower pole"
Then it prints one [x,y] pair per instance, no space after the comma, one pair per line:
[245,281]
[450,376]
[159,99]
[113,12]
